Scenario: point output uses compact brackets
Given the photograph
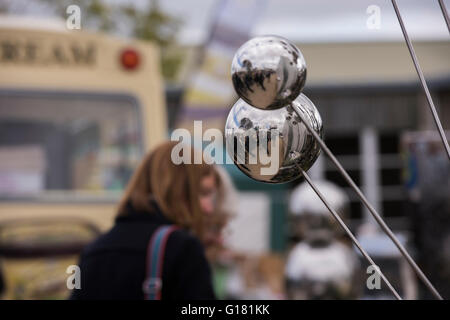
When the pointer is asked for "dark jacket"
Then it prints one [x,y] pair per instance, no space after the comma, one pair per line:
[113,266]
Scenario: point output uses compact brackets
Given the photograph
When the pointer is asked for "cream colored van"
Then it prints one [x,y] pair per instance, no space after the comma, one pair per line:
[77,113]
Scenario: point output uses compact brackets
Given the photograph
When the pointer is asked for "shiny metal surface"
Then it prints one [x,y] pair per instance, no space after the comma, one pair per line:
[269,145]
[268,72]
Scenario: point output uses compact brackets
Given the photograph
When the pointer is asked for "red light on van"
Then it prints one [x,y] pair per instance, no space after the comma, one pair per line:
[129,59]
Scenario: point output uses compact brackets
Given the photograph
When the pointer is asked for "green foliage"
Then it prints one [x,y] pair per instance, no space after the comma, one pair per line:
[157,26]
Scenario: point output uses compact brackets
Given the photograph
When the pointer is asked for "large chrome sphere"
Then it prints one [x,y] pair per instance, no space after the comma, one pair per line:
[268,72]
[269,145]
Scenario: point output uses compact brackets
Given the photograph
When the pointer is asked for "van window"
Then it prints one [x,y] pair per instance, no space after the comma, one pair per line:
[67,141]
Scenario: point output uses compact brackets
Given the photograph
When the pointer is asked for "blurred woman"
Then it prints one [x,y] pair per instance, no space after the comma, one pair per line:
[160,194]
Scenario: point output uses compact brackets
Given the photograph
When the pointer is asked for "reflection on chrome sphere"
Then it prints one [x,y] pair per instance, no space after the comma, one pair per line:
[268,145]
[268,72]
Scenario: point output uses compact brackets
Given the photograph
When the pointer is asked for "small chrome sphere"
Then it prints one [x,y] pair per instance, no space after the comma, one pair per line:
[268,72]
[271,145]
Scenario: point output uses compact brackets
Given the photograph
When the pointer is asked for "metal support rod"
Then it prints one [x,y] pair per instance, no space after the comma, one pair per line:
[363,199]
[422,80]
[445,13]
[349,233]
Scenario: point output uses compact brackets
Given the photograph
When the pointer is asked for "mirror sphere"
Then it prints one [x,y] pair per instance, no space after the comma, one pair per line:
[268,72]
[270,145]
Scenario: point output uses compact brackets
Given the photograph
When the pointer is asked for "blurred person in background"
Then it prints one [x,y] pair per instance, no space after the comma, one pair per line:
[160,193]
[429,210]
[318,273]
[323,264]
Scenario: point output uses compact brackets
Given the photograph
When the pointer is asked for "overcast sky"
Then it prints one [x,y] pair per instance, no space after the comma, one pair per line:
[307,20]
[323,20]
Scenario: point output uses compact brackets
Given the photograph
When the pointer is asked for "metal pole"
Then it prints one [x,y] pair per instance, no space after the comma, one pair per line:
[361,196]
[349,233]
[422,80]
[445,13]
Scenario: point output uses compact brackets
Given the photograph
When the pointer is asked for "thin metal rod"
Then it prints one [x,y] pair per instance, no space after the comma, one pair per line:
[422,80]
[445,13]
[364,200]
[349,233]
